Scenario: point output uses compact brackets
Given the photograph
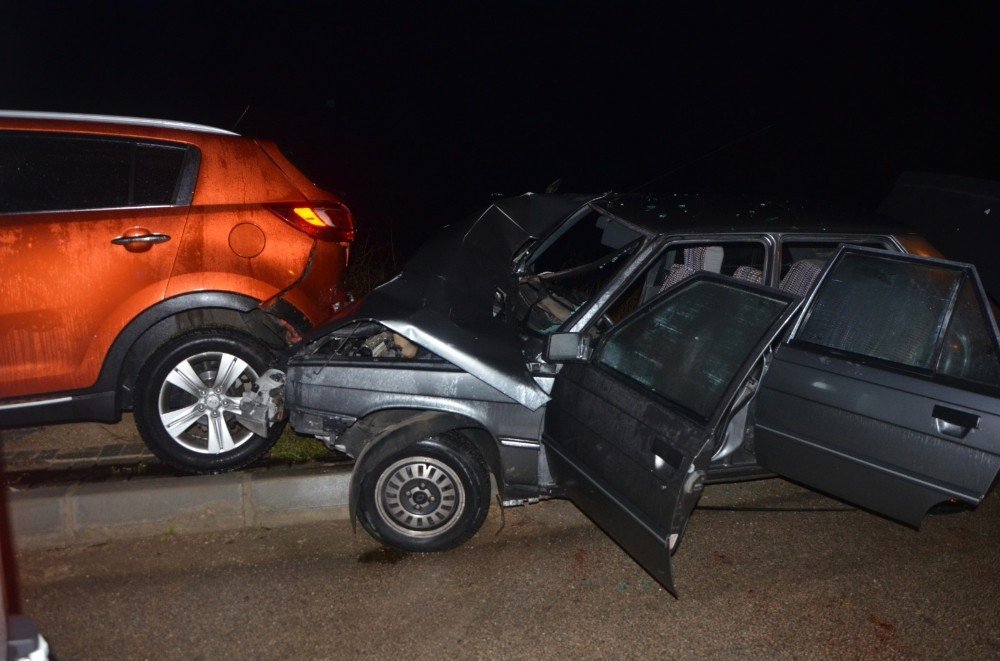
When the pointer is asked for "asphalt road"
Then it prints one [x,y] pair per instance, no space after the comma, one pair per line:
[776,583]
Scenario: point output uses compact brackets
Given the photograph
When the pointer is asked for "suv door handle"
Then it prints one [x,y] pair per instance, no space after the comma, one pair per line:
[952,422]
[139,239]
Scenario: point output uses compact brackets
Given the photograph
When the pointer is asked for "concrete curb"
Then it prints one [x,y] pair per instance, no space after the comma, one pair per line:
[82,513]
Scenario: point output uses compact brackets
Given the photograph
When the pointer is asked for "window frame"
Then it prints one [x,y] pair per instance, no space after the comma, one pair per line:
[792,307]
[968,274]
[642,266]
[837,238]
[680,241]
[184,186]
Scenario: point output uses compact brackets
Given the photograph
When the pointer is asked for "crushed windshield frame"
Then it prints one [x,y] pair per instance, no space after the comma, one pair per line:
[591,246]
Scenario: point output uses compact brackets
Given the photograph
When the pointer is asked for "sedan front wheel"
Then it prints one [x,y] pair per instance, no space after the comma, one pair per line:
[429,496]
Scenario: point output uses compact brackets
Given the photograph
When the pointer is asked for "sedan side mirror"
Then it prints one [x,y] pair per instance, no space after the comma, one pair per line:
[567,348]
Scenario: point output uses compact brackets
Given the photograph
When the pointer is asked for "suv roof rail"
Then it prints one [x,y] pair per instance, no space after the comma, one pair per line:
[112,119]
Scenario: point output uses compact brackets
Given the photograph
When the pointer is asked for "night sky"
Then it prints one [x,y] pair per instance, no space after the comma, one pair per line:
[417,112]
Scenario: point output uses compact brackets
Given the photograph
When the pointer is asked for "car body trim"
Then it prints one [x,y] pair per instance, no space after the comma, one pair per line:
[518,443]
[91,406]
[953,493]
[35,402]
[142,207]
[113,119]
[114,374]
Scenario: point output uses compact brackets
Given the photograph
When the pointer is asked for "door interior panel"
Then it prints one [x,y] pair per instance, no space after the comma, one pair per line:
[641,537]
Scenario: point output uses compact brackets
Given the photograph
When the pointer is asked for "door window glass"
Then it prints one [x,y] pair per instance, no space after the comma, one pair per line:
[883,308]
[969,351]
[59,173]
[743,260]
[157,171]
[819,251]
[688,346]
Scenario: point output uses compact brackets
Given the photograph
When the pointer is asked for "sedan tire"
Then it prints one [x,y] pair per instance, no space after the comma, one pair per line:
[430,496]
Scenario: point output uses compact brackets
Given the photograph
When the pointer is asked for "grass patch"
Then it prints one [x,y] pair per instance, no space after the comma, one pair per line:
[296,449]
[372,263]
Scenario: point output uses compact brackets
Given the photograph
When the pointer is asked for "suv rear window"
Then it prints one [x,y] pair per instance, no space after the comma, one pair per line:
[63,173]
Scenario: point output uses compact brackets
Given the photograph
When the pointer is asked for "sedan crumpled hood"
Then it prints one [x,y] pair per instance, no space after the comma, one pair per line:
[443,299]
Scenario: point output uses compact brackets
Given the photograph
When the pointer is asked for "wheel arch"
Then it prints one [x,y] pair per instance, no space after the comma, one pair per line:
[384,433]
[175,316]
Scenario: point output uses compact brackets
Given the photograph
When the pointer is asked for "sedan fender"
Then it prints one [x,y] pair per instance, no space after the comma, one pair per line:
[399,434]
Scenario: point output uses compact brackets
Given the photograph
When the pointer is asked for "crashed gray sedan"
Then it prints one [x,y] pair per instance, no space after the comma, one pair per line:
[624,351]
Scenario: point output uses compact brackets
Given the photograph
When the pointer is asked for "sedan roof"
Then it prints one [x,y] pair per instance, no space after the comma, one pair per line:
[697,213]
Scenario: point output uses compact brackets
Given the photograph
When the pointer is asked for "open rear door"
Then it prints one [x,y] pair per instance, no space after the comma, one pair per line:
[630,433]
[887,393]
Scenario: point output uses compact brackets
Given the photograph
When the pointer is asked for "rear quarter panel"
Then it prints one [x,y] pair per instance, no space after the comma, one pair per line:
[321,290]
[231,242]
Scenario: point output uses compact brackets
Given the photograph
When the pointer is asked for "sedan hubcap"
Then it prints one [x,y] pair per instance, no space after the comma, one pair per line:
[419,496]
[199,402]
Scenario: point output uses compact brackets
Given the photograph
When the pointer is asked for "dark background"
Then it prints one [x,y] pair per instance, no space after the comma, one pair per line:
[417,112]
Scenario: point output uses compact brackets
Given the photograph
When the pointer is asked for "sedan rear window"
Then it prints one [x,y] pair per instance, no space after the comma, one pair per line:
[688,346]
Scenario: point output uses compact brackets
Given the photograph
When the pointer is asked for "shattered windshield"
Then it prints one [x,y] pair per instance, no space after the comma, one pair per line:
[568,269]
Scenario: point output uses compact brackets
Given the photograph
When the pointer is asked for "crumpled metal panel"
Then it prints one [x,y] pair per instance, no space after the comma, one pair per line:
[443,299]
[355,390]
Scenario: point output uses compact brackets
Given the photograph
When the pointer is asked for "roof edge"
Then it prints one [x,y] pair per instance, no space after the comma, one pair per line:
[113,119]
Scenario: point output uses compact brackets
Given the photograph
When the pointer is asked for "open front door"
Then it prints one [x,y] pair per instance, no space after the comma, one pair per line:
[629,434]
[887,394]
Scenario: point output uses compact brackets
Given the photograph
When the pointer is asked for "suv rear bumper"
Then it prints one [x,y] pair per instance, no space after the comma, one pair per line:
[319,293]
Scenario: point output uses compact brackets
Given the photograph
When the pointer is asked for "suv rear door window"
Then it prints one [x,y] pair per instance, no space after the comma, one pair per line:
[62,173]
[157,174]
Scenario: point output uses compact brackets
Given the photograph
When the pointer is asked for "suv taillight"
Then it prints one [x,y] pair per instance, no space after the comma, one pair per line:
[327,221]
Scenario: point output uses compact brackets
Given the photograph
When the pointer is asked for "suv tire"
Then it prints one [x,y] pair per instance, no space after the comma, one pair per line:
[187,401]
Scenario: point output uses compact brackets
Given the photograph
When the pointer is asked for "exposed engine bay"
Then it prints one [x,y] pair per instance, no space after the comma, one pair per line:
[264,405]
[368,339]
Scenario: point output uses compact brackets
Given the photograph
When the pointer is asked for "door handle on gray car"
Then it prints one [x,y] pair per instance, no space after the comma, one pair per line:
[952,422]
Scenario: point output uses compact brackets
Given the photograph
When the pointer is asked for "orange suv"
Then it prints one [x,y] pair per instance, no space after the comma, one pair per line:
[155,266]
